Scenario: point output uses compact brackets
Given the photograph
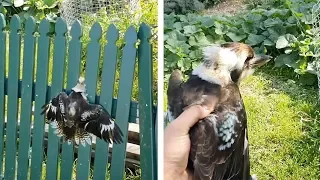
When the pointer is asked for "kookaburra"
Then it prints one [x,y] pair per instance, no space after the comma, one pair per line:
[219,142]
[74,118]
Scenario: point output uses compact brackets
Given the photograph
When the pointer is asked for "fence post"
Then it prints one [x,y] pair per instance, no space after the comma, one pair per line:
[146,120]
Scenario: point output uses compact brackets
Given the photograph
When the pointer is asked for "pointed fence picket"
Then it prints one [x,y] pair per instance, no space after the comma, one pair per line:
[27,142]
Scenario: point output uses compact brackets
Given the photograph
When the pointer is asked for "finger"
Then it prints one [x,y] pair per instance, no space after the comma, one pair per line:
[188,118]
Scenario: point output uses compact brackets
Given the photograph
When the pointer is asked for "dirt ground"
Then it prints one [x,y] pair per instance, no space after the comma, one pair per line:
[228,7]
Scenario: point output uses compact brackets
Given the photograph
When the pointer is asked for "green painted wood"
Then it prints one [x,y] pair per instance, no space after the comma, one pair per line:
[107,86]
[123,105]
[2,85]
[56,87]
[146,120]
[156,144]
[72,77]
[13,78]
[92,67]
[40,100]
[26,99]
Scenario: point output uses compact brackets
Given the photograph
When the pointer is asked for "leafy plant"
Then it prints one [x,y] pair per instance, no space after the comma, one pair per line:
[187,6]
[39,9]
[283,32]
[263,3]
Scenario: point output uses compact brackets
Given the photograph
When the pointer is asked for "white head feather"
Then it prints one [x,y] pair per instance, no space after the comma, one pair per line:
[217,65]
[81,87]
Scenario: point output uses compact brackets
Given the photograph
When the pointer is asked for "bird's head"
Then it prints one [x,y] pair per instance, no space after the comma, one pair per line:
[230,61]
[246,62]
[81,86]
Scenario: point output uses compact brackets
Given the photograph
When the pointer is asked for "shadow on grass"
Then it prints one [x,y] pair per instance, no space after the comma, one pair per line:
[291,150]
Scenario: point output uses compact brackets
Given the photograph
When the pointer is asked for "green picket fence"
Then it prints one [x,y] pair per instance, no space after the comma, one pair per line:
[18,162]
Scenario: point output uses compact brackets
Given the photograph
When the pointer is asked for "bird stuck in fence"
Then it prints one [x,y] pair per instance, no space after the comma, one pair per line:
[219,142]
[74,118]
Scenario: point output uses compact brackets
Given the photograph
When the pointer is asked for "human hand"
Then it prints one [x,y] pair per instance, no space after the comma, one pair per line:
[177,142]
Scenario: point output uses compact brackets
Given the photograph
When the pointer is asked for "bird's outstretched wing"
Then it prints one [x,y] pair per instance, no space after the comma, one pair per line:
[98,121]
[55,112]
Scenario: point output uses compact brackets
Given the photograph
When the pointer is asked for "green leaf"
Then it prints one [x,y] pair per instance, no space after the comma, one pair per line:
[288,51]
[249,28]
[18,3]
[3,10]
[177,35]
[278,61]
[308,79]
[255,39]
[171,59]
[50,3]
[236,37]
[273,22]
[192,41]
[268,42]
[220,28]
[195,64]
[190,29]
[254,17]
[196,54]
[292,20]
[208,23]
[201,38]
[170,48]
[177,26]
[282,42]
[289,60]
[183,18]
[180,63]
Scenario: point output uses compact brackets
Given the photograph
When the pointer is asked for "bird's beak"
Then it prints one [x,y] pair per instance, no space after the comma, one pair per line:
[260,60]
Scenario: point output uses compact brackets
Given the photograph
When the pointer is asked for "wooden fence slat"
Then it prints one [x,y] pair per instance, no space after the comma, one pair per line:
[13,78]
[156,144]
[40,100]
[3,52]
[67,157]
[26,99]
[92,68]
[107,86]
[123,105]
[56,87]
[146,120]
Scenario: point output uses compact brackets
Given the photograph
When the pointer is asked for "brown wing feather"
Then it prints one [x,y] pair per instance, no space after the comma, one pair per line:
[207,160]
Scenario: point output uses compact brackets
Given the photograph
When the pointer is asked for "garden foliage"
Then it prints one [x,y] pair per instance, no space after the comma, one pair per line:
[49,9]
[39,9]
[187,6]
[284,32]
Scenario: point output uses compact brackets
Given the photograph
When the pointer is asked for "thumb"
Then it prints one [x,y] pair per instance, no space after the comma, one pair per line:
[189,117]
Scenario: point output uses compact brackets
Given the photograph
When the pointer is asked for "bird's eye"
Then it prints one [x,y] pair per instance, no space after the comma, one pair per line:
[248,58]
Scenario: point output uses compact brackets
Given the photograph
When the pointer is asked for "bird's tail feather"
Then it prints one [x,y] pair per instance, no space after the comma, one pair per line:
[57,127]
[117,134]
[175,81]
[81,136]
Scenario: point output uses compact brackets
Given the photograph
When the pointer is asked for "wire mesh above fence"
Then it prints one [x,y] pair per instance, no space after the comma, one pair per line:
[72,10]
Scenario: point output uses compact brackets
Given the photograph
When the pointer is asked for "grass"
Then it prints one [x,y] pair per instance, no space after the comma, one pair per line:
[284,127]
